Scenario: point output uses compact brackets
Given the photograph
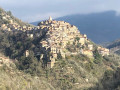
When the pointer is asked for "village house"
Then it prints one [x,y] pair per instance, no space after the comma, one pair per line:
[26,53]
[103,51]
[30,35]
[88,53]
[82,41]
[90,46]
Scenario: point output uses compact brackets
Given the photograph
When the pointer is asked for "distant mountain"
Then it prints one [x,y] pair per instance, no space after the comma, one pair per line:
[115,46]
[35,23]
[99,27]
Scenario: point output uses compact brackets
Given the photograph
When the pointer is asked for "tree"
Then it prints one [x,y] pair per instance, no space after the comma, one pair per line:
[77,38]
[9,13]
[97,56]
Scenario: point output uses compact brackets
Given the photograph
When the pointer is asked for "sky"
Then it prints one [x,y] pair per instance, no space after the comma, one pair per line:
[35,10]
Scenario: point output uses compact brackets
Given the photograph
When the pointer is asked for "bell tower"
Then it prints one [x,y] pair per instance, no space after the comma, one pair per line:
[50,18]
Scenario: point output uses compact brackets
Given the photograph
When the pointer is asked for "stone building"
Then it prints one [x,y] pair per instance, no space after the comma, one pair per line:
[26,53]
[90,46]
[103,51]
[88,53]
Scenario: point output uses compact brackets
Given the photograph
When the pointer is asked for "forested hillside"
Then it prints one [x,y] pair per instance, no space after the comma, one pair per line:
[72,73]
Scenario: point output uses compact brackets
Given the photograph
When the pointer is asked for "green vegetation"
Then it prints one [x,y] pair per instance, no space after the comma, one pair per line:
[97,56]
[77,38]
[72,73]
[13,79]
[15,45]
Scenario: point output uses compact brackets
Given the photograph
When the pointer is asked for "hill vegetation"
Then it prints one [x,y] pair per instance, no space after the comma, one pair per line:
[72,73]
[13,79]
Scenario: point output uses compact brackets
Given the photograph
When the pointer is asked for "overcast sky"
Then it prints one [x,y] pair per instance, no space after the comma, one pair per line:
[35,10]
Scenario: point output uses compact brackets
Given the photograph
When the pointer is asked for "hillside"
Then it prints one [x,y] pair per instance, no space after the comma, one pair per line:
[13,79]
[114,46]
[81,68]
[99,27]
[55,55]
[10,23]
[73,73]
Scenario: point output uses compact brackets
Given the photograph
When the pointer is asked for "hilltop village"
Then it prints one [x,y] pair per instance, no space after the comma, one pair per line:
[60,35]
[59,38]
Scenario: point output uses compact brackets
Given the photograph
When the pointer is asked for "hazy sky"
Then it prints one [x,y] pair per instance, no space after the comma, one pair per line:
[34,10]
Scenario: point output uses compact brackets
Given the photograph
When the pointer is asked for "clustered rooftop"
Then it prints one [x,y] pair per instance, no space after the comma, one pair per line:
[59,35]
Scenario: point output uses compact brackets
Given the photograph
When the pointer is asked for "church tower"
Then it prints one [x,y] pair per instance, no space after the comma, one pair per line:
[50,18]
